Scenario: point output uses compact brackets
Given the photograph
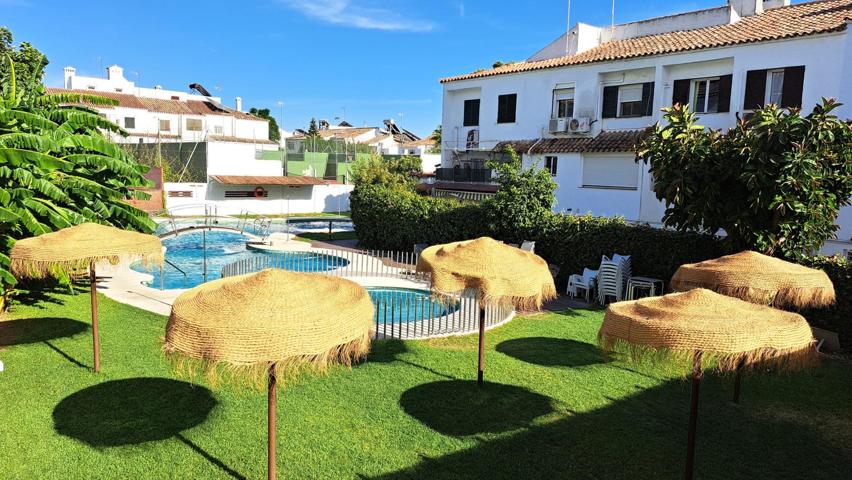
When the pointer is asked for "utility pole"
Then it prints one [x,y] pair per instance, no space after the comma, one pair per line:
[568,29]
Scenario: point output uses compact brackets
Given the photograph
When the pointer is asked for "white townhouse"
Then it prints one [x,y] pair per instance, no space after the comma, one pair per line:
[226,143]
[578,105]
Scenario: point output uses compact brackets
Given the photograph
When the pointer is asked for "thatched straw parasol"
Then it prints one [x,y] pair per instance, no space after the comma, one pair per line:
[503,275]
[269,326]
[79,248]
[708,326]
[758,278]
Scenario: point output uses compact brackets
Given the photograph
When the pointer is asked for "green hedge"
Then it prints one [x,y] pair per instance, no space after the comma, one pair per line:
[394,218]
[837,318]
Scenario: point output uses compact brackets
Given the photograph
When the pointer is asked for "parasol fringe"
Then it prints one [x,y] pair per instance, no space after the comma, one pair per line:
[255,375]
[520,303]
[26,268]
[787,359]
[797,297]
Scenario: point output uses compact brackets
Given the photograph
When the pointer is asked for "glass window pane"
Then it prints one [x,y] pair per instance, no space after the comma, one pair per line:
[565,108]
[776,87]
[700,101]
[713,96]
[631,93]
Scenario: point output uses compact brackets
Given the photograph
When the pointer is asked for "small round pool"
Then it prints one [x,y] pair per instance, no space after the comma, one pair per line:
[402,305]
[185,255]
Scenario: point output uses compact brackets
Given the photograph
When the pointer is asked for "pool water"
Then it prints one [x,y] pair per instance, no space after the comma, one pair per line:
[401,305]
[186,252]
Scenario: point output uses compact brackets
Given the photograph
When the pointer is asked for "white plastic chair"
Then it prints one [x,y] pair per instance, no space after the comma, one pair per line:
[612,277]
[586,281]
[528,246]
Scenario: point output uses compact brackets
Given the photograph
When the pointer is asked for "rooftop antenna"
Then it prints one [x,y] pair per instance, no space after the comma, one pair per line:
[568,30]
[612,25]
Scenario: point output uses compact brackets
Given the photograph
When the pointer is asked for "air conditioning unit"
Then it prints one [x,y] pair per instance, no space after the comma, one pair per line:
[579,125]
[558,125]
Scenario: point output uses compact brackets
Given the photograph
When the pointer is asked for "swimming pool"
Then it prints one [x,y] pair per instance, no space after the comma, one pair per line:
[186,252]
[403,305]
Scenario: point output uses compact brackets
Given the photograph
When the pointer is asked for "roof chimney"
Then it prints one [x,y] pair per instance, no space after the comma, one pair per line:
[115,73]
[69,72]
[239,102]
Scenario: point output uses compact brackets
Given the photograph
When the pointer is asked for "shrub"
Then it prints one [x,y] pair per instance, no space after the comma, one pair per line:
[837,318]
[774,184]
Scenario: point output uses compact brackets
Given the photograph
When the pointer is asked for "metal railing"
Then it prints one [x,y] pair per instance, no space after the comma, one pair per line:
[410,313]
[464,175]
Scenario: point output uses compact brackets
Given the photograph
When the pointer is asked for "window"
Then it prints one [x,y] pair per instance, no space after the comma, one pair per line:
[550,165]
[129,122]
[118,90]
[775,84]
[705,95]
[630,101]
[506,106]
[90,87]
[613,172]
[165,125]
[563,103]
[218,130]
[781,86]
[471,113]
[193,124]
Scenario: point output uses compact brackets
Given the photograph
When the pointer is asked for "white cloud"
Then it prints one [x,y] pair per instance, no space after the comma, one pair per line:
[354,13]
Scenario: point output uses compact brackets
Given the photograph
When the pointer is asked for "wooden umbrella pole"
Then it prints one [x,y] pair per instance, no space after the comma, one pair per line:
[479,375]
[697,374]
[738,380]
[272,400]
[96,342]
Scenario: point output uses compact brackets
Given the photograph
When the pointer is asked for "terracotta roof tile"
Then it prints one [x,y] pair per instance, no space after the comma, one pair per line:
[159,105]
[261,180]
[605,142]
[785,22]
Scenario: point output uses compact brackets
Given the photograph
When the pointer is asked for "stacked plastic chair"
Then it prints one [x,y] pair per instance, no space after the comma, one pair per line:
[612,277]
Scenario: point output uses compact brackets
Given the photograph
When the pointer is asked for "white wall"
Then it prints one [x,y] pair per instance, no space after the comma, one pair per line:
[303,199]
[231,158]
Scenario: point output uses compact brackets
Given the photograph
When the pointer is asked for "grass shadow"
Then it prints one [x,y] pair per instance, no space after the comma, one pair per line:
[132,411]
[552,352]
[37,330]
[644,436]
[461,407]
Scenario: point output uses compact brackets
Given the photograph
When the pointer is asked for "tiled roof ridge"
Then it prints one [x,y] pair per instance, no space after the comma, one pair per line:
[690,40]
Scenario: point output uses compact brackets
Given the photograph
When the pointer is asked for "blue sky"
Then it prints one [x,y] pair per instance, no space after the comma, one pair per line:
[376,59]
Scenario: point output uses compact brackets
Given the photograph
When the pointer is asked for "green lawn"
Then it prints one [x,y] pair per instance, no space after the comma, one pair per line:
[557,409]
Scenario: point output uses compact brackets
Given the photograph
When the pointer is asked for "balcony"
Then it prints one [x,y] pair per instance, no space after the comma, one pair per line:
[463,175]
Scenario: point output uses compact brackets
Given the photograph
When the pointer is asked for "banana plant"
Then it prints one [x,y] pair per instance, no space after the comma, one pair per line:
[58,168]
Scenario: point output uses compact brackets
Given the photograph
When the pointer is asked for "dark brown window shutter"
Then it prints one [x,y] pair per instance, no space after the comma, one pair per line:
[680,91]
[755,90]
[794,80]
[648,98]
[610,102]
[725,93]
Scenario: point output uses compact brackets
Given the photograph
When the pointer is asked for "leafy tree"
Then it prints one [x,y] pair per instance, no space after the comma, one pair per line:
[313,129]
[274,133]
[774,184]
[395,172]
[57,168]
[524,201]
[29,61]
[437,139]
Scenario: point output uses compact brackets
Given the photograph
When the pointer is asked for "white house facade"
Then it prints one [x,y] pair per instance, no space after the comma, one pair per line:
[238,178]
[578,106]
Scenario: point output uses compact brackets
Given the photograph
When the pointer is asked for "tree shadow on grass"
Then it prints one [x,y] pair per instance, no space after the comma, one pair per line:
[644,436]
[552,352]
[460,407]
[390,351]
[36,330]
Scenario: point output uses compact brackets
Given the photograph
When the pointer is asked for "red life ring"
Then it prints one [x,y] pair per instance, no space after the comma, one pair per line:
[259,192]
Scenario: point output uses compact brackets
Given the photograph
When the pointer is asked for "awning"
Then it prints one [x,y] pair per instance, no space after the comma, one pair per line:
[258,180]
